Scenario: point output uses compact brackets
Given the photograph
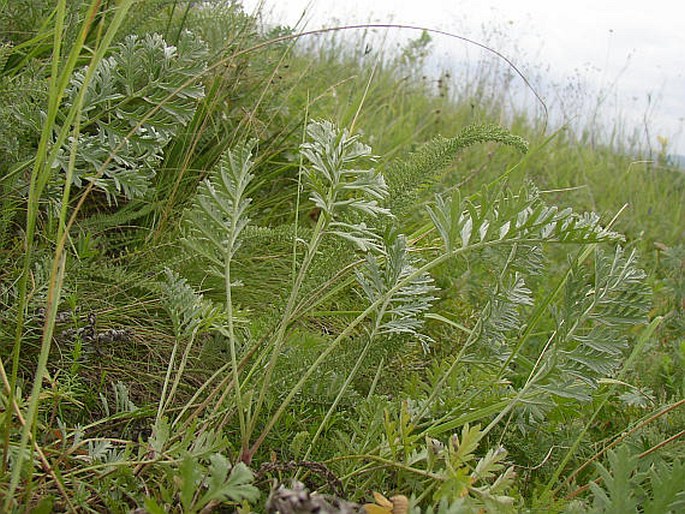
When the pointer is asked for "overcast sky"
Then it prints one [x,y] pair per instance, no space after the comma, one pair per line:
[634,48]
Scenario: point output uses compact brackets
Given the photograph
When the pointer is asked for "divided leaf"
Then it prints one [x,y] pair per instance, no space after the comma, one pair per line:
[228,483]
[137,101]
[339,186]
[592,323]
[218,215]
[494,216]
[402,310]
[190,312]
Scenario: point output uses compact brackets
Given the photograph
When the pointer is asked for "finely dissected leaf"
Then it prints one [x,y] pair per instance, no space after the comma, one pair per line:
[638,397]
[122,398]
[482,484]
[189,311]
[407,176]
[591,323]
[338,186]
[142,74]
[502,313]
[498,504]
[502,215]
[445,215]
[503,481]
[218,216]
[361,235]
[402,310]
[22,113]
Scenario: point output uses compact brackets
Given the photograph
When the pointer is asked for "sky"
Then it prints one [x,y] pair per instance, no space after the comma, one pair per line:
[628,53]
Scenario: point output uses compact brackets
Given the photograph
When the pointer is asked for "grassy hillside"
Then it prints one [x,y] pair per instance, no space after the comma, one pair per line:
[233,257]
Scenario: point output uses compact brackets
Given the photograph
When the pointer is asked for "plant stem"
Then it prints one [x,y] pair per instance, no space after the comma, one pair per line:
[277,342]
[244,435]
[350,377]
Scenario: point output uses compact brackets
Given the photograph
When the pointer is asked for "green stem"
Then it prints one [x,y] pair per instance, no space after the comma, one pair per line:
[279,338]
[386,462]
[350,377]
[164,399]
[244,435]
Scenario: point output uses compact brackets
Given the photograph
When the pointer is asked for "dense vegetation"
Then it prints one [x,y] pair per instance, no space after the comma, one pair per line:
[232,257]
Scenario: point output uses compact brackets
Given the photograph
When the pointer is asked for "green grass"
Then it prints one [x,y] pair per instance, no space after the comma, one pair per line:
[180,323]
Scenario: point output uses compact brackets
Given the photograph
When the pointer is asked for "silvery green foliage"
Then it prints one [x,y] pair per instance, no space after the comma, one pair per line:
[401,311]
[122,398]
[137,101]
[339,186]
[496,215]
[592,322]
[190,312]
[502,314]
[218,215]
[592,319]
[516,223]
